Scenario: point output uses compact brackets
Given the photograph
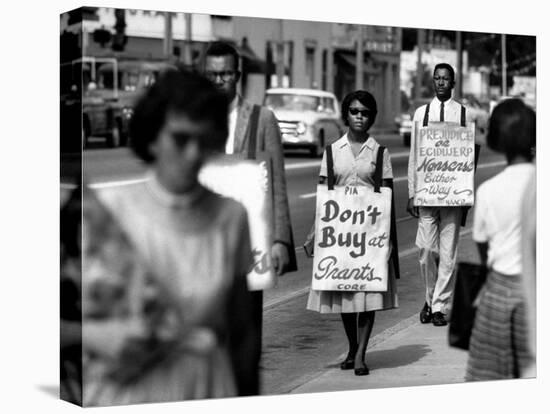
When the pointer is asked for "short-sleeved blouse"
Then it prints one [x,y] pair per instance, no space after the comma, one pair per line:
[356,171]
[351,170]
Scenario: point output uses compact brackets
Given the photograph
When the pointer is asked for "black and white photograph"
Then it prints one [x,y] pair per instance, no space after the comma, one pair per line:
[329,207]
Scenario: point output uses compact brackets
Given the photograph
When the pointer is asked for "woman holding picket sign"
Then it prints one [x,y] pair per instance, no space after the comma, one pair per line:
[357,161]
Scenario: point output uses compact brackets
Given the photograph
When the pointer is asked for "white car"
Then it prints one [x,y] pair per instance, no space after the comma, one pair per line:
[308,118]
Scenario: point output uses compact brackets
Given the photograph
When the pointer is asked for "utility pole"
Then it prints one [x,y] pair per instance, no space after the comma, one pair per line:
[459,64]
[186,49]
[419,69]
[504,75]
[168,42]
[330,68]
[280,64]
[359,71]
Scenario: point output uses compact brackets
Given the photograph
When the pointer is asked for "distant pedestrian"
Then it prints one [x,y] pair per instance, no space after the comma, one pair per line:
[438,227]
[253,129]
[499,343]
[354,160]
[195,247]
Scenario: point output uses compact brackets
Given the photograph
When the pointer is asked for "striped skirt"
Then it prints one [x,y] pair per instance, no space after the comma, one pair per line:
[498,346]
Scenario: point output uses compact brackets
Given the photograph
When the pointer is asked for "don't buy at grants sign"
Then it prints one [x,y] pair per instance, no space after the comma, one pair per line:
[352,239]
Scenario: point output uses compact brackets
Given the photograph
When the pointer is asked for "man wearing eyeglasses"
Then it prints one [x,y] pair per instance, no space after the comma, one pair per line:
[438,227]
[254,129]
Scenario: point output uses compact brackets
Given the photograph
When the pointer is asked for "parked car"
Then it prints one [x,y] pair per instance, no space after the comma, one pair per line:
[110,87]
[308,118]
[404,125]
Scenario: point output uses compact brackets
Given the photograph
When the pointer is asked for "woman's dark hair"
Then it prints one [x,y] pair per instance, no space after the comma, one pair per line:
[446,66]
[512,129]
[182,92]
[366,99]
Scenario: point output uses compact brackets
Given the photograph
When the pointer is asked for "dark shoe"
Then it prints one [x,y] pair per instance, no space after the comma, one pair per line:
[347,363]
[364,370]
[426,314]
[439,319]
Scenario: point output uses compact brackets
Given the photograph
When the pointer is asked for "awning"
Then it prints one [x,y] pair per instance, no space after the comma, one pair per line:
[349,59]
[251,63]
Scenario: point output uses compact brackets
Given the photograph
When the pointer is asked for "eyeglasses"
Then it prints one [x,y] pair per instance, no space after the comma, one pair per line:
[225,75]
[355,111]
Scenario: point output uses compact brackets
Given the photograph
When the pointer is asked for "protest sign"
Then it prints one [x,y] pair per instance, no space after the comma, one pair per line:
[444,165]
[248,182]
[352,239]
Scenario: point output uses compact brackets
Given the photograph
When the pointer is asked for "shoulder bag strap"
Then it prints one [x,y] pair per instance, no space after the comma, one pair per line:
[462,116]
[253,131]
[426,115]
[379,168]
[330,168]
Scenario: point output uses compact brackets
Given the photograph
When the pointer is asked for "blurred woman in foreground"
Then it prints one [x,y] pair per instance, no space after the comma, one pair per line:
[498,346]
[175,326]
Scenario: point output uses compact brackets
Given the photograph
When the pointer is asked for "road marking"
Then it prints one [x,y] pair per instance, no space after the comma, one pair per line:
[118,183]
[107,184]
[404,178]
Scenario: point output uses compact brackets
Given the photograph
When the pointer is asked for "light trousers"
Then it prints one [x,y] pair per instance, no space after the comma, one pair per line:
[437,239]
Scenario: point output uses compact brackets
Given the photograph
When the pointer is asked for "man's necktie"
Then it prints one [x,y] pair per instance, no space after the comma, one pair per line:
[442,107]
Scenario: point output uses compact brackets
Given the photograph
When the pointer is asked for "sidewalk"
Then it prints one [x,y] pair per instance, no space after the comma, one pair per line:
[406,354]
[411,354]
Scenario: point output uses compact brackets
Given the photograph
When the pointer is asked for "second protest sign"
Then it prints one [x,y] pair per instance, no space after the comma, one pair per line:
[444,173]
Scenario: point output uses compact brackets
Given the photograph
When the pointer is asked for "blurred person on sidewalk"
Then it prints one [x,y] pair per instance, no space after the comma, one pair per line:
[253,129]
[70,384]
[172,320]
[438,227]
[529,265]
[499,343]
[354,163]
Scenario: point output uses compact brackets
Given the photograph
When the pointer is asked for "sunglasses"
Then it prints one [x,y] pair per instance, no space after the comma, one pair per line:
[355,111]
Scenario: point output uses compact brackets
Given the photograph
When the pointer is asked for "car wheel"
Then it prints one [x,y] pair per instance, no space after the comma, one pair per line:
[407,139]
[317,150]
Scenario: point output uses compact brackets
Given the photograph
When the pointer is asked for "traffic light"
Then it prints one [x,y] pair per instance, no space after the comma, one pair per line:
[119,38]
[102,36]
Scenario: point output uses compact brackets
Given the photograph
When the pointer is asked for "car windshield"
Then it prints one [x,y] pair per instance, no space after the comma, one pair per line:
[294,102]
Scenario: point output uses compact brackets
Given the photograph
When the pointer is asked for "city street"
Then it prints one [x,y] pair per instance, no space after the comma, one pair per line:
[299,344]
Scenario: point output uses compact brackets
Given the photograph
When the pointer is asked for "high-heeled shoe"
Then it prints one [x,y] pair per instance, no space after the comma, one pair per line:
[347,363]
[364,370]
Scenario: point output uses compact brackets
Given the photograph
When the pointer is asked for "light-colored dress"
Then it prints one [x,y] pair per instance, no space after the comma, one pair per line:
[355,171]
[198,249]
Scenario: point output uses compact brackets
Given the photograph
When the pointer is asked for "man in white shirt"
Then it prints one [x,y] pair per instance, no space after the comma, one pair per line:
[438,227]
